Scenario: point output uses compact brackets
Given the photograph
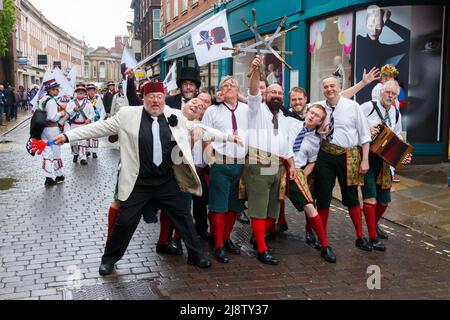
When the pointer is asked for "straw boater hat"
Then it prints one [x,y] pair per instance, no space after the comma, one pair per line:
[91,86]
[51,84]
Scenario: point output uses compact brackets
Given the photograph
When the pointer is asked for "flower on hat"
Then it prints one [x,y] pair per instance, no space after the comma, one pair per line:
[389,70]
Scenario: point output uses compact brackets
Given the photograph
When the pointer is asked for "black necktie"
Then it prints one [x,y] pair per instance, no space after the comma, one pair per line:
[330,135]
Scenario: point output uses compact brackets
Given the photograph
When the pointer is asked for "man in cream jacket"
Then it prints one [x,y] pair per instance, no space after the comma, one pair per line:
[156,166]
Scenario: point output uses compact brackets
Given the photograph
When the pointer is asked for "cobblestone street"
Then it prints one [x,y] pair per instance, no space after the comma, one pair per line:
[51,241]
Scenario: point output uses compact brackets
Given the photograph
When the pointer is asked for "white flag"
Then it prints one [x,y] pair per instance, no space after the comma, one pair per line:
[41,93]
[65,88]
[72,77]
[170,83]
[210,37]
[128,61]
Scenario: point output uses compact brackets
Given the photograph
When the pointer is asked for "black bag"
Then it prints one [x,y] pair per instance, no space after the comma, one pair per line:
[38,124]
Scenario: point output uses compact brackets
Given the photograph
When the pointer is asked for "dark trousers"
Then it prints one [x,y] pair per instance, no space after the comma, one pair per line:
[200,210]
[169,198]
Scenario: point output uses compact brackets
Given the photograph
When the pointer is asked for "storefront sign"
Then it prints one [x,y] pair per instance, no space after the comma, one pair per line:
[23,61]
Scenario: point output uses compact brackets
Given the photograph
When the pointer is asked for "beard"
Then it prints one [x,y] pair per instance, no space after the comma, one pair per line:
[275,105]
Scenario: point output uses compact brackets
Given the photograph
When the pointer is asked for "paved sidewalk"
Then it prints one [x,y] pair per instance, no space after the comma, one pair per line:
[421,200]
[51,242]
[8,126]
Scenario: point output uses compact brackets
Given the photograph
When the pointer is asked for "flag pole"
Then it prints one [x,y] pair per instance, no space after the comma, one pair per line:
[157,53]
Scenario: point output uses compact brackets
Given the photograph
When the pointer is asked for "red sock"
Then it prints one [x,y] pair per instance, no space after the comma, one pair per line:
[259,227]
[165,226]
[324,213]
[230,220]
[356,215]
[270,223]
[282,218]
[317,226]
[379,211]
[369,214]
[219,221]
[112,217]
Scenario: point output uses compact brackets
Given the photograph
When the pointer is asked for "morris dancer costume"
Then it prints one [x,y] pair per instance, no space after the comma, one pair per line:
[52,165]
[81,112]
[340,157]
[100,114]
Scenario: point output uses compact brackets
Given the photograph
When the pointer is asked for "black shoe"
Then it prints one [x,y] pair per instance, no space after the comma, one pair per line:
[231,247]
[201,262]
[363,244]
[84,162]
[280,228]
[221,256]
[88,154]
[381,233]
[60,179]
[106,269]
[94,155]
[168,249]
[328,254]
[377,244]
[178,246]
[204,235]
[49,182]
[266,258]
[75,159]
[310,237]
[243,218]
[255,245]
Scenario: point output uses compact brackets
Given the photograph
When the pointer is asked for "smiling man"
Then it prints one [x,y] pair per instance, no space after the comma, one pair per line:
[156,166]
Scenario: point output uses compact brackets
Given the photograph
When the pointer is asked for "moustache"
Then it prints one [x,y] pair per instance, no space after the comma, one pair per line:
[275,105]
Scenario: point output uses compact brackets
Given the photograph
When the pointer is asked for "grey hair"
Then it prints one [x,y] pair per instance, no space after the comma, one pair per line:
[390,83]
[330,76]
[228,78]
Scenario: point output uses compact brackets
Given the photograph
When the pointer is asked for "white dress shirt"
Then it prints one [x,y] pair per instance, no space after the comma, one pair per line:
[261,129]
[310,146]
[220,118]
[350,124]
[374,119]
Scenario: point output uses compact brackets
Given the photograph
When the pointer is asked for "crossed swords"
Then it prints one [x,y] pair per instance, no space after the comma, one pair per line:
[267,42]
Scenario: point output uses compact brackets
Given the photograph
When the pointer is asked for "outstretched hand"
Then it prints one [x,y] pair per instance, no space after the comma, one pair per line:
[374,74]
[61,139]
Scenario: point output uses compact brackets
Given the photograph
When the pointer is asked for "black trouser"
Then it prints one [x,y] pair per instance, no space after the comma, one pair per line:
[169,198]
[200,210]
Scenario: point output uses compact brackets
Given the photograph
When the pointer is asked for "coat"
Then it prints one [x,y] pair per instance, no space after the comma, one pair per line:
[126,123]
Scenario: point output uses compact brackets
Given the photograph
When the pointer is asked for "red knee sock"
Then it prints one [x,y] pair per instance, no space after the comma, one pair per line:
[317,225]
[379,211]
[112,217]
[270,223]
[324,213]
[369,214]
[259,228]
[230,220]
[219,221]
[165,226]
[282,218]
[356,215]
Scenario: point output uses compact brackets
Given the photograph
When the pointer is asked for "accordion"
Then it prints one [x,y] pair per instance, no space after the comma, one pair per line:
[388,146]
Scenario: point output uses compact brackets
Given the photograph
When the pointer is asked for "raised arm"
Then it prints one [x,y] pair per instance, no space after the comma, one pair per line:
[367,78]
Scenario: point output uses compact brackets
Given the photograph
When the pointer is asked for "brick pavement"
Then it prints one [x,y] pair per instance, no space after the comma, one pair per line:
[51,241]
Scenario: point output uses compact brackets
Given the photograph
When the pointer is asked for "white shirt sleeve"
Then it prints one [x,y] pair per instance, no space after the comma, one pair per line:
[52,111]
[362,126]
[254,103]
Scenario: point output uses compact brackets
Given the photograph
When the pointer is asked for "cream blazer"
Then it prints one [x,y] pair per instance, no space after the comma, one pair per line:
[126,123]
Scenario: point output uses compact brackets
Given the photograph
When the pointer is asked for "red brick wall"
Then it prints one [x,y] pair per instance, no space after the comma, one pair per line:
[183,17]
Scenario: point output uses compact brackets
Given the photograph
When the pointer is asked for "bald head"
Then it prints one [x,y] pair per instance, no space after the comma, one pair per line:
[331,89]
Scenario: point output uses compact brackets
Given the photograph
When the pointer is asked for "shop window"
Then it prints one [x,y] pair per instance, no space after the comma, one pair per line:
[330,46]
[273,68]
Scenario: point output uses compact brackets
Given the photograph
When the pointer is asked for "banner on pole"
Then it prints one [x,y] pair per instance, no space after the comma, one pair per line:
[210,37]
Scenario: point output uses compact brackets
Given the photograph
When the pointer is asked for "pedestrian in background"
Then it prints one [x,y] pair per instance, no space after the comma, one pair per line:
[2,103]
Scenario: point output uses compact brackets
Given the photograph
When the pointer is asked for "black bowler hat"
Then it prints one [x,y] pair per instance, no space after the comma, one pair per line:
[190,74]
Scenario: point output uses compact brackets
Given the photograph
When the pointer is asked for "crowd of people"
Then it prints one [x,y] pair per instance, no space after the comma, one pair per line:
[198,161]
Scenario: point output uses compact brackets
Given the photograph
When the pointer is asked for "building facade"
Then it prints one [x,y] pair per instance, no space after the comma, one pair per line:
[37,37]
[101,65]
[339,37]
[149,17]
